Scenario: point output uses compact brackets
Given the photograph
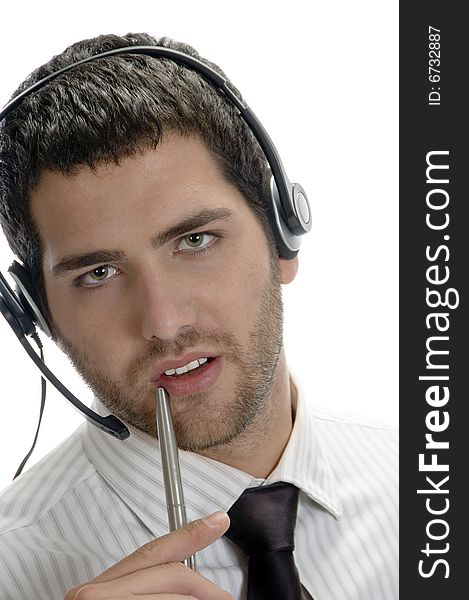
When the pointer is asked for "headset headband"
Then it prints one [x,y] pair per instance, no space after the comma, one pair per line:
[290,205]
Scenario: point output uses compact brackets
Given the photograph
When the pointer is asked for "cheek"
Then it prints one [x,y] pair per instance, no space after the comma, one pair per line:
[236,294]
[97,332]
[60,306]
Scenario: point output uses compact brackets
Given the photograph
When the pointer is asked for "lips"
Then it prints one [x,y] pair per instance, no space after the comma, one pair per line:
[169,373]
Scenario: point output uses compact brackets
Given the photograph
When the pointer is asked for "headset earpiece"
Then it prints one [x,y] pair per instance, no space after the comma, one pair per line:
[287,229]
[27,296]
[14,311]
[302,222]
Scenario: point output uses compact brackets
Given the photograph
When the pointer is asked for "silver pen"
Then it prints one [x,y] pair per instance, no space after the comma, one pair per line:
[171,471]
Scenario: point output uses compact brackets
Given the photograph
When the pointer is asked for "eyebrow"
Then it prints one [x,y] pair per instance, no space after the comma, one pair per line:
[74,262]
[195,221]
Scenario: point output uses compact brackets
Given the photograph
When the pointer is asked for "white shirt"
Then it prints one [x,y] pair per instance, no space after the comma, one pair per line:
[94,500]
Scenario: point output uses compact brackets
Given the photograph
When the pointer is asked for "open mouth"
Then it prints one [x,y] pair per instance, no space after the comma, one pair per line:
[198,375]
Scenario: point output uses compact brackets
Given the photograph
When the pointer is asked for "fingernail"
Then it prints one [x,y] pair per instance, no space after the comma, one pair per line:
[216,519]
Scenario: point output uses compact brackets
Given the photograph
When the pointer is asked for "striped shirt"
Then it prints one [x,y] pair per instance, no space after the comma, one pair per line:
[94,500]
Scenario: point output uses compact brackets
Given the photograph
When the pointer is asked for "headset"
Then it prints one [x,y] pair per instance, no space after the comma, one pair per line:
[287,207]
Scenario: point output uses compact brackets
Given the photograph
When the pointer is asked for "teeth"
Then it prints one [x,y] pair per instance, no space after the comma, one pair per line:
[186,368]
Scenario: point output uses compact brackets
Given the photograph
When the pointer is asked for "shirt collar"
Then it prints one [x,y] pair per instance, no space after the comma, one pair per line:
[132,468]
[304,462]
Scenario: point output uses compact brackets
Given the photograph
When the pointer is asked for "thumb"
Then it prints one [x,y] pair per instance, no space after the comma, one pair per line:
[172,547]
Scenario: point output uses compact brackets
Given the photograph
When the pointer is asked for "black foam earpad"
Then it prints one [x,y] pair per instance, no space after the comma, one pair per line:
[27,296]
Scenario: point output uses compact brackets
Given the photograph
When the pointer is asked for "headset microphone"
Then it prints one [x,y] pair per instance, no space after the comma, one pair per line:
[23,322]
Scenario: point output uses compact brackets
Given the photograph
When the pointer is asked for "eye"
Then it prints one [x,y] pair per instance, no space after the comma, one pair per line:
[196,241]
[96,276]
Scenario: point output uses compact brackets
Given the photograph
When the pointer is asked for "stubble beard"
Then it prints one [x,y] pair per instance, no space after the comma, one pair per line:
[197,429]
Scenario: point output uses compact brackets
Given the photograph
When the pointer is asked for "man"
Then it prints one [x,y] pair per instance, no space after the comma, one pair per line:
[135,196]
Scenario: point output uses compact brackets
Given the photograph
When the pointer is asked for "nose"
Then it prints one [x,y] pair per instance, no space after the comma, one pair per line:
[167,307]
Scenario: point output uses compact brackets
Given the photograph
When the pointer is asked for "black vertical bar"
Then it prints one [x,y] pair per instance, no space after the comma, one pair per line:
[434,261]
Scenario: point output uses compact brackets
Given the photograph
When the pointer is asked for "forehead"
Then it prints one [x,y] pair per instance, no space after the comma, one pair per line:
[176,166]
[176,160]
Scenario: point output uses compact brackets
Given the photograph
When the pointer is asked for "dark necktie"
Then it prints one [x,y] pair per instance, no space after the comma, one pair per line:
[263,526]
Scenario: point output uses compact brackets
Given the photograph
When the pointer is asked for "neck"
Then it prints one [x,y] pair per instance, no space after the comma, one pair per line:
[258,450]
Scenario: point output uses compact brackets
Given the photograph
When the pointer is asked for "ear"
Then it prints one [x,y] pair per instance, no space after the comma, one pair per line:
[288,269]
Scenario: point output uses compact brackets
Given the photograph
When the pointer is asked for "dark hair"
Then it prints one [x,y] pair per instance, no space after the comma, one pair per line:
[107,110]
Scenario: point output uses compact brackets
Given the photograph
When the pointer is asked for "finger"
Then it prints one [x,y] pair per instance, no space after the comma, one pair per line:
[147,596]
[160,597]
[172,547]
[161,580]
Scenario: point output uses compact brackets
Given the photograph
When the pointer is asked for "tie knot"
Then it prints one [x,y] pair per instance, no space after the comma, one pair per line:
[263,519]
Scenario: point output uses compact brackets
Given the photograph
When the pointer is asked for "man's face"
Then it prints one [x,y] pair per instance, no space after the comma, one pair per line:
[155,267]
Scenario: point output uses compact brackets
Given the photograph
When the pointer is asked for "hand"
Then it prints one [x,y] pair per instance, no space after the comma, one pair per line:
[155,572]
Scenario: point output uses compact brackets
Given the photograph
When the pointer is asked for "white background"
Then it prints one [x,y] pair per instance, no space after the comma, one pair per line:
[322,77]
